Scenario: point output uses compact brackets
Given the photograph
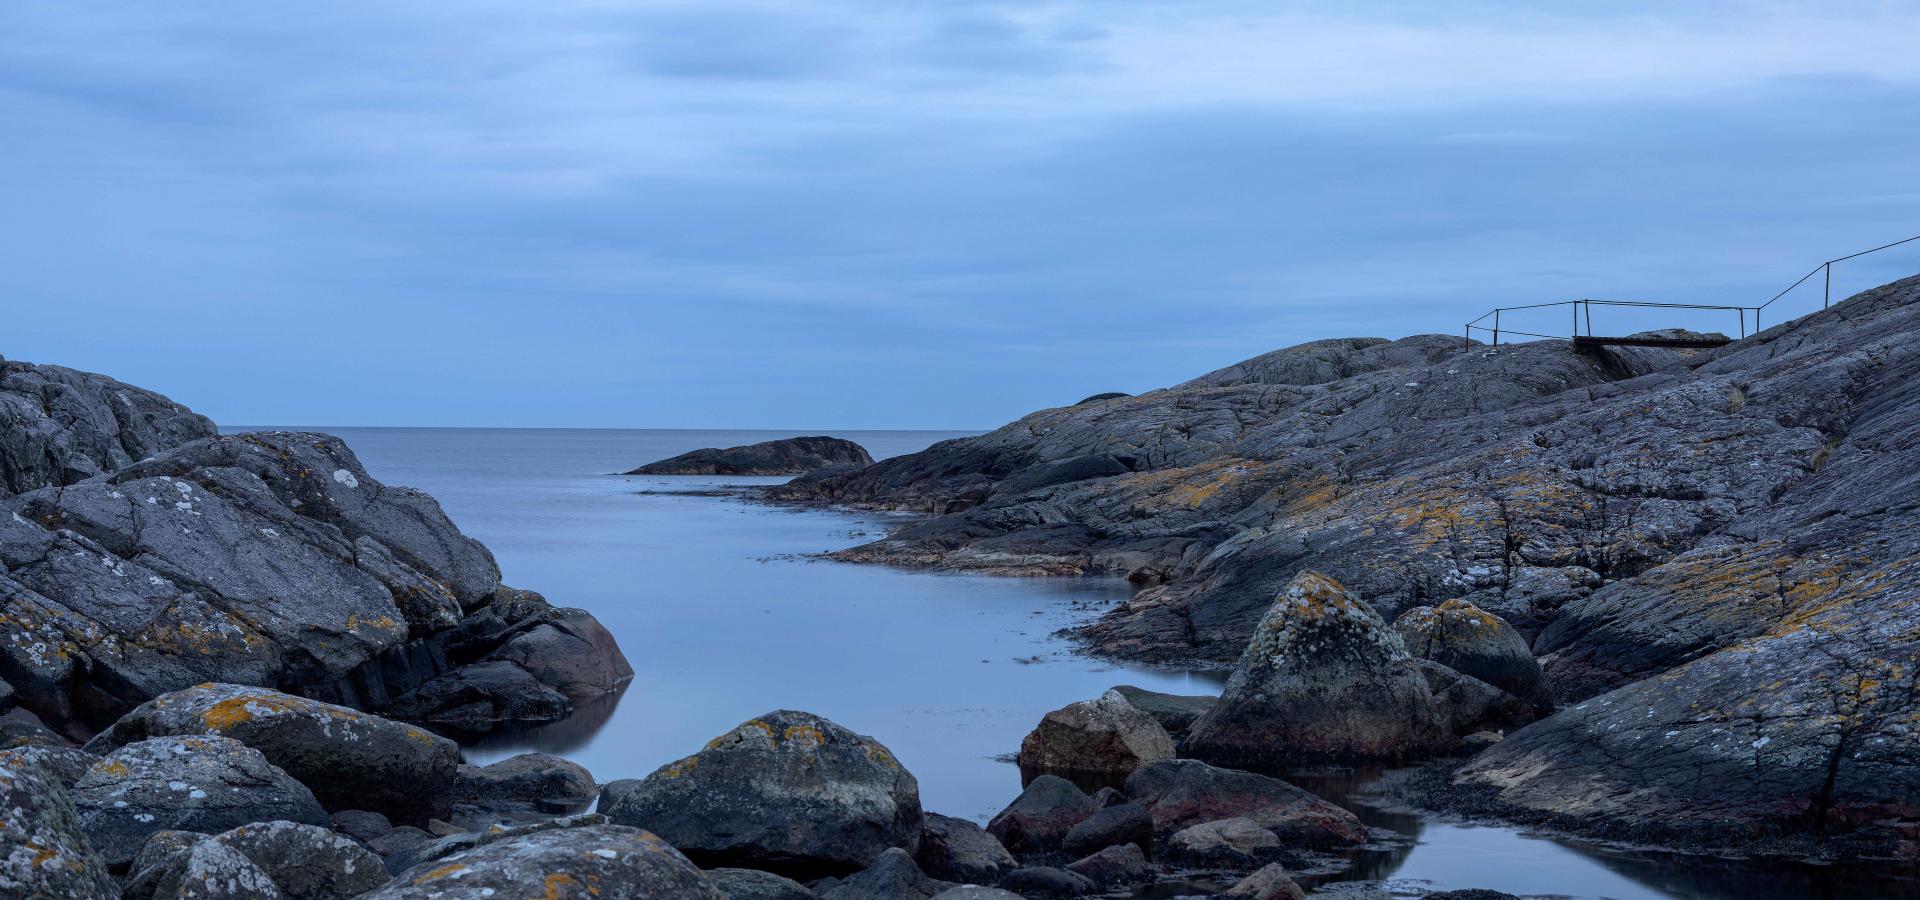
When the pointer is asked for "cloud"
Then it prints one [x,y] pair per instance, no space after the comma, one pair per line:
[875,212]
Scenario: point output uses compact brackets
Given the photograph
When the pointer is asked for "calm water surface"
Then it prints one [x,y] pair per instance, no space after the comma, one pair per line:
[724,616]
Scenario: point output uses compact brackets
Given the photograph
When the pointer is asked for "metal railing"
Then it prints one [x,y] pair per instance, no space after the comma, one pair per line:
[1582,310]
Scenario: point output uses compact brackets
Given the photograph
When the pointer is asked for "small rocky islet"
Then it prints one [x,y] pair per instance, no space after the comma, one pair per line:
[1627,593]
[784,456]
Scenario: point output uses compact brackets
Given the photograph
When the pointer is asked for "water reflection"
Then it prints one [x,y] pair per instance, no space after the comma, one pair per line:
[558,738]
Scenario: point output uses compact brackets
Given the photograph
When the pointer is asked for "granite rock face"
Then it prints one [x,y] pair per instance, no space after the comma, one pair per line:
[349,759]
[789,792]
[206,784]
[787,456]
[268,559]
[59,426]
[1324,680]
[44,852]
[1726,535]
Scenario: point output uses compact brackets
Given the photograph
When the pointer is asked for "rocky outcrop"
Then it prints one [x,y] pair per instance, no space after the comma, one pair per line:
[1655,521]
[1323,680]
[44,852]
[1473,642]
[1105,737]
[59,426]
[349,759]
[267,559]
[206,784]
[787,456]
[789,792]
[604,862]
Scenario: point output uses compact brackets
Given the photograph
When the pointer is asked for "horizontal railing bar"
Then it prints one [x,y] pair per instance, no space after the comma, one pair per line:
[1874,250]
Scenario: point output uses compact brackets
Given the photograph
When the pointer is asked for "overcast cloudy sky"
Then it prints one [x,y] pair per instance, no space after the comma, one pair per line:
[893,213]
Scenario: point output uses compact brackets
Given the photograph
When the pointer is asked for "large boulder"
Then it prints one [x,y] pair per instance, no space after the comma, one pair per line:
[1038,820]
[1468,705]
[207,784]
[1324,680]
[1474,642]
[603,862]
[44,852]
[1183,792]
[297,862]
[1270,882]
[1047,883]
[787,456]
[958,850]
[1106,737]
[1113,866]
[349,759]
[789,791]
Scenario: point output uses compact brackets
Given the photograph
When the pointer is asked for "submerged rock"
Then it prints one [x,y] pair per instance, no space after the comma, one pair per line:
[958,850]
[1039,819]
[1175,712]
[44,851]
[604,862]
[789,792]
[787,456]
[205,783]
[1181,793]
[1324,680]
[521,788]
[349,759]
[1106,737]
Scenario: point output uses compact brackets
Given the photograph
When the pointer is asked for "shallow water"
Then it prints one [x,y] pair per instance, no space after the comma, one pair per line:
[724,616]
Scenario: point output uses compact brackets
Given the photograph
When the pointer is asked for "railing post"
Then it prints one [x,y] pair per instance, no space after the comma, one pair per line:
[1575,307]
[1742,313]
[1828,299]
[1496,328]
[1468,343]
[1589,305]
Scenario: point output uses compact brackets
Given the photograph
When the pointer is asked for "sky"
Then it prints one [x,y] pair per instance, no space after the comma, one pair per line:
[889,213]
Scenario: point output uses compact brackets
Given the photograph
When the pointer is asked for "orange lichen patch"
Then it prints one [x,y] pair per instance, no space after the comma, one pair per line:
[1313,495]
[740,733]
[442,872]
[804,734]
[419,735]
[879,754]
[112,767]
[558,882]
[41,854]
[682,767]
[1461,610]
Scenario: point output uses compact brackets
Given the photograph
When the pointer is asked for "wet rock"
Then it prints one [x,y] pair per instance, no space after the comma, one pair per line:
[753,884]
[349,759]
[44,851]
[1174,712]
[1109,796]
[521,788]
[958,850]
[1237,843]
[789,792]
[1116,865]
[206,783]
[298,862]
[893,876]
[1125,823]
[1103,737]
[1270,882]
[604,862]
[787,456]
[1043,882]
[1324,680]
[1039,819]
[1183,792]
[1476,643]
